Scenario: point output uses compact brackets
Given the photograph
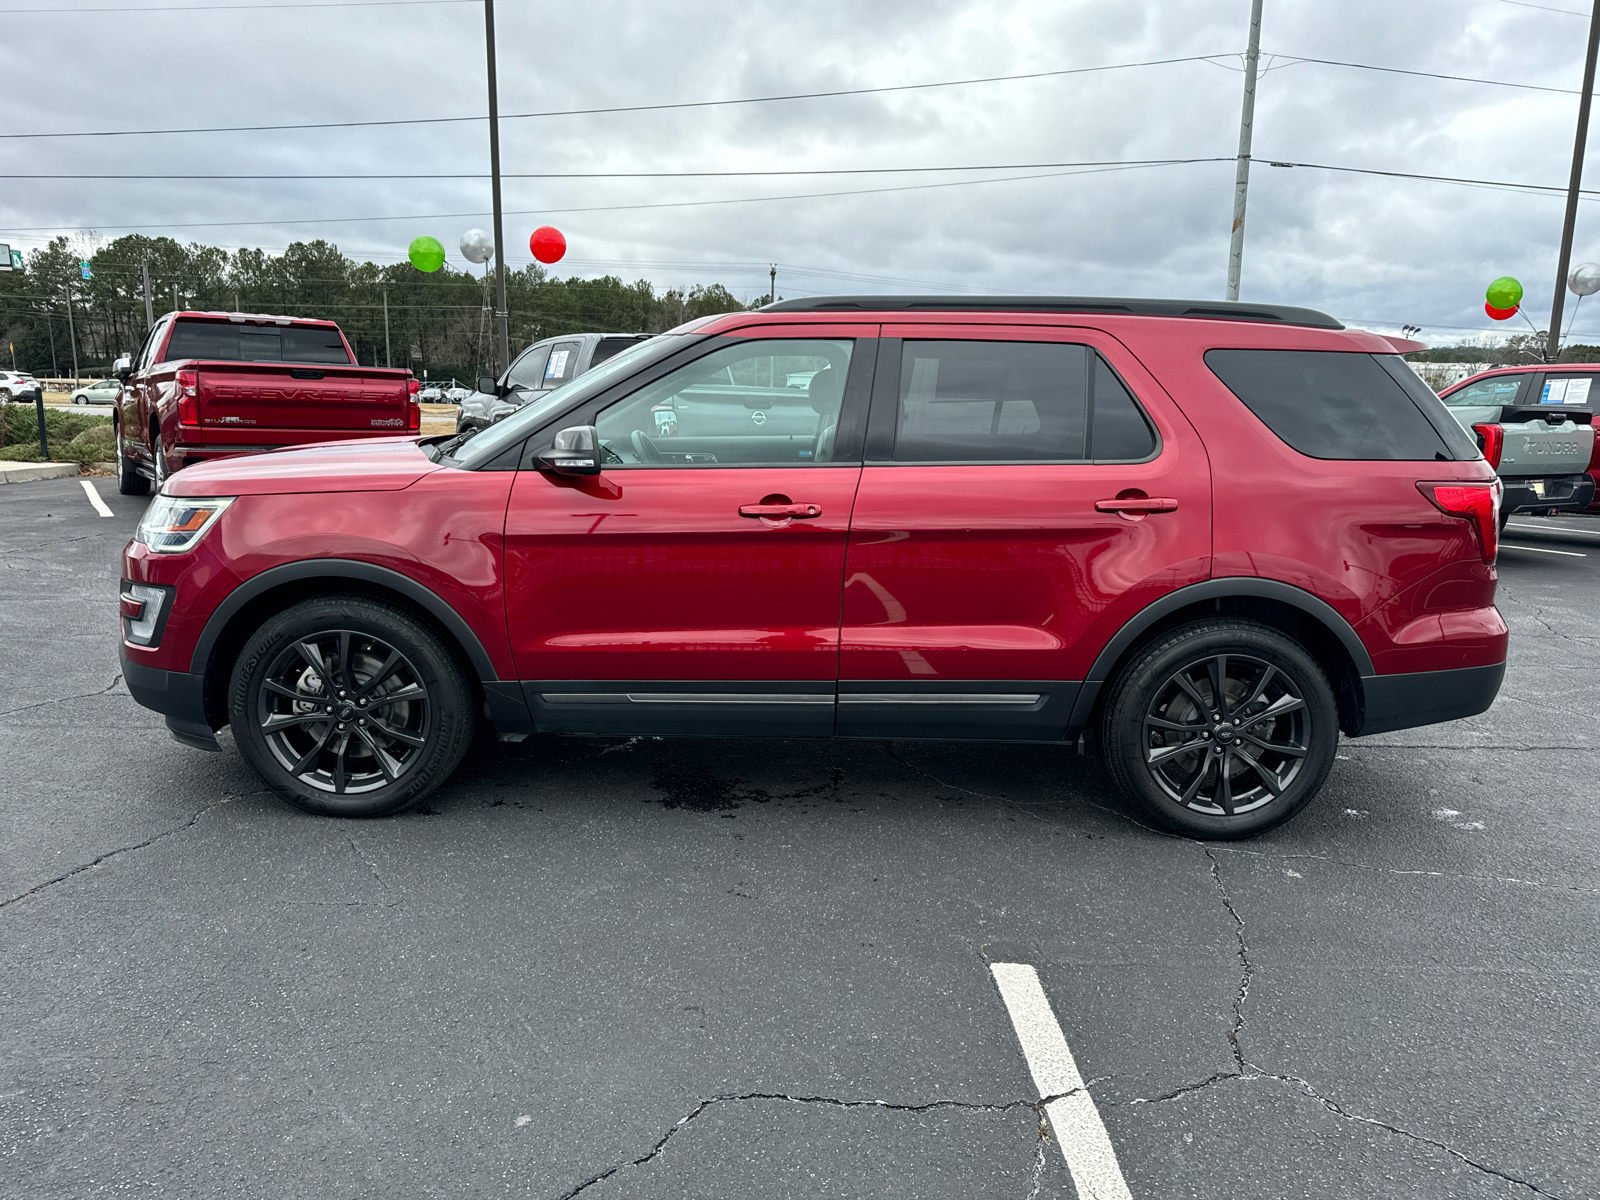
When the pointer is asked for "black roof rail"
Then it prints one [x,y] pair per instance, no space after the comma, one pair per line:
[1213,310]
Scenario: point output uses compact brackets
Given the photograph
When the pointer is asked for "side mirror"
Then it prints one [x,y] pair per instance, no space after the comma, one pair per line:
[122,368]
[488,386]
[576,451]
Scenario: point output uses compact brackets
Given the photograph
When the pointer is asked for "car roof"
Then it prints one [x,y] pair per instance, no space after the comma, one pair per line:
[1217,310]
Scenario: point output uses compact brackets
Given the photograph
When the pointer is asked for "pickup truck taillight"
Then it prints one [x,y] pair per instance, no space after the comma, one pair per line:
[1491,440]
[1478,503]
[188,397]
[413,406]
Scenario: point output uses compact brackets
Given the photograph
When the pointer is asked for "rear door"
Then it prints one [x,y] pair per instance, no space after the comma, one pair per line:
[1026,491]
[693,587]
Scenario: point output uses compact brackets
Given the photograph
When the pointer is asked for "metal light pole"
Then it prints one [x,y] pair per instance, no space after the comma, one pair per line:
[772,295]
[501,316]
[1241,177]
[72,337]
[388,360]
[149,305]
[1553,346]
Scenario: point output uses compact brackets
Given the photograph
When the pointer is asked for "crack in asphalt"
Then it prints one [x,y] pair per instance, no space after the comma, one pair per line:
[65,699]
[1250,1073]
[1246,968]
[361,858]
[120,850]
[1037,1106]
[1041,1140]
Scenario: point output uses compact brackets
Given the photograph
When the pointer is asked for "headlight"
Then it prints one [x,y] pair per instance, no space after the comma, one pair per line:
[173,524]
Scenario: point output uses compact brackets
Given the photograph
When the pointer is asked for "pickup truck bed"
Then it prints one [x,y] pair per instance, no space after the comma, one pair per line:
[214,385]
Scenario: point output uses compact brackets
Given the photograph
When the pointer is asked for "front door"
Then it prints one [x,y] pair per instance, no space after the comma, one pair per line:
[1026,491]
[693,586]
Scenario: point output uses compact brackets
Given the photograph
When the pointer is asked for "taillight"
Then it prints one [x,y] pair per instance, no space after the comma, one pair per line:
[1491,440]
[188,397]
[413,386]
[413,406]
[1475,502]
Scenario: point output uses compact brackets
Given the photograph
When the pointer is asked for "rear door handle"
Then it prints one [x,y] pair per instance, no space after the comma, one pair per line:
[1144,504]
[778,512]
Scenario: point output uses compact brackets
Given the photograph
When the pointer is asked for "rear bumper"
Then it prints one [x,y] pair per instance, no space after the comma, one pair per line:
[177,695]
[1427,697]
[1568,493]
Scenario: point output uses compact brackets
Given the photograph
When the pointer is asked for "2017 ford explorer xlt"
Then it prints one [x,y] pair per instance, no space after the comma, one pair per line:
[1214,535]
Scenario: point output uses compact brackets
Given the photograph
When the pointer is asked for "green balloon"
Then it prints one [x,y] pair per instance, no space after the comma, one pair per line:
[1504,292]
[427,254]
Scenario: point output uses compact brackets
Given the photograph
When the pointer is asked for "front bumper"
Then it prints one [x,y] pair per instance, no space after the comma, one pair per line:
[1427,697]
[179,696]
[1565,493]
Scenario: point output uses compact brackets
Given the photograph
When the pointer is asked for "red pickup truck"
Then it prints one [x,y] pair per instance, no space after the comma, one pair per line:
[209,385]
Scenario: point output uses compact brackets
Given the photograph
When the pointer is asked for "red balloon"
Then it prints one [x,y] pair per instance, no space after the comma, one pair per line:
[547,244]
[1500,314]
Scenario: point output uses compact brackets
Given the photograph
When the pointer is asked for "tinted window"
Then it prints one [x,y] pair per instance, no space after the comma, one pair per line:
[1500,389]
[610,346]
[256,343]
[528,371]
[1458,442]
[1331,404]
[985,401]
[736,406]
[563,364]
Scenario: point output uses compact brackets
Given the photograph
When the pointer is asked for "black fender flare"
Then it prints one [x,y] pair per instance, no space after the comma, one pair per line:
[340,568]
[1214,589]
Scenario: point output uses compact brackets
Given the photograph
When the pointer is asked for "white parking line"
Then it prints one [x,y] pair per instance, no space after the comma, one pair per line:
[1543,550]
[1079,1131]
[94,499]
[1553,529]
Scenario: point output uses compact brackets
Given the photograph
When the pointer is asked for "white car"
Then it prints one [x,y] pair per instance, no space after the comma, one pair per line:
[14,383]
[456,395]
[430,395]
[102,391]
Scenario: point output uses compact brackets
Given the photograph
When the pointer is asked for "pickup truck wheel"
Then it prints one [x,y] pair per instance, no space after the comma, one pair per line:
[129,481]
[347,706]
[162,473]
[1220,729]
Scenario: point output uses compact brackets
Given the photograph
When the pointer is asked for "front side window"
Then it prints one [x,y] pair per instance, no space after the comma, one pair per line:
[1496,390]
[755,403]
[991,401]
[528,371]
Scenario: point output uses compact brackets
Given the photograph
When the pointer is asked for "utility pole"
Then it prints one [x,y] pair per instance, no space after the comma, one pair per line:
[1241,176]
[1553,347]
[237,307]
[149,305]
[174,297]
[72,337]
[388,360]
[501,315]
[772,295]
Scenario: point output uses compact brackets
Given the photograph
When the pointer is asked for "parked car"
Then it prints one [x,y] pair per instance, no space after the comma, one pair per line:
[101,391]
[431,395]
[14,383]
[1535,425]
[542,367]
[209,385]
[1203,537]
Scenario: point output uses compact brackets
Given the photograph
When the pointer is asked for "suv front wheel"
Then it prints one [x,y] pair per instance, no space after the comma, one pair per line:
[350,707]
[1220,729]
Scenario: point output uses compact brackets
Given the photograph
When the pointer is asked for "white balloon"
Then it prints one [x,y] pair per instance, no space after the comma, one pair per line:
[477,245]
[1585,279]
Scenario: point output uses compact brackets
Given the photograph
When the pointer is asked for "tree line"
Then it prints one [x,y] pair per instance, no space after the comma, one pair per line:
[440,324]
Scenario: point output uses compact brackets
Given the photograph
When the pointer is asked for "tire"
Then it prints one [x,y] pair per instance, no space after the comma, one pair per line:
[5,395]
[129,481]
[162,473]
[1268,773]
[79,400]
[364,765]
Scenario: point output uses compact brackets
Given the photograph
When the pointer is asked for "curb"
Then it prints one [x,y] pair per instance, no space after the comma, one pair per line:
[24,472]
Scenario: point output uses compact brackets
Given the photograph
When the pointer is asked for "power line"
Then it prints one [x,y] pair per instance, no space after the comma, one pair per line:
[1540,188]
[1546,8]
[139,8]
[1295,59]
[1036,166]
[626,108]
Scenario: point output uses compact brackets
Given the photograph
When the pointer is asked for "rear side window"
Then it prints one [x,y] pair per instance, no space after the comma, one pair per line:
[1341,405]
[257,343]
[983,401]
[1567,389]
[610,346]
[563,364]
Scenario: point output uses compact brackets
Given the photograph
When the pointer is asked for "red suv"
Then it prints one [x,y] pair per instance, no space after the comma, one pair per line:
[1211,535]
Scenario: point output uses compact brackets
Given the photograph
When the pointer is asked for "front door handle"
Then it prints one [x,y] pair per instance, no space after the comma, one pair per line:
[1136,504]
[779,512]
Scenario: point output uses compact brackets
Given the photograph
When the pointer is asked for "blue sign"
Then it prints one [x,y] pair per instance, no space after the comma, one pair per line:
[84,268]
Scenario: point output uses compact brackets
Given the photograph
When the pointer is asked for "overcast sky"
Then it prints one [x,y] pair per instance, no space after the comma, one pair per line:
[1373,251]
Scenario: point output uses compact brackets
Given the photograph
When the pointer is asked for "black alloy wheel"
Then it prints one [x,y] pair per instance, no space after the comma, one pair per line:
[348,706]
[1221,729]
[129,481]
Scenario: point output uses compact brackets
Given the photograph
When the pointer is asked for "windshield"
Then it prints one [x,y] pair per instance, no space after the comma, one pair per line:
[530,416]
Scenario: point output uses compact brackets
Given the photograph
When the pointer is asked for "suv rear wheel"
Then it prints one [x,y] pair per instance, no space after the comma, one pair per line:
[350,707]
[1220,729]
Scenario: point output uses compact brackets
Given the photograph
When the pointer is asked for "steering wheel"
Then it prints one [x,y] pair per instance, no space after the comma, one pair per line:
[645,448]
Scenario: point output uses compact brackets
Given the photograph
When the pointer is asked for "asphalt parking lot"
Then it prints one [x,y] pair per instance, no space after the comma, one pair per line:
[656,968]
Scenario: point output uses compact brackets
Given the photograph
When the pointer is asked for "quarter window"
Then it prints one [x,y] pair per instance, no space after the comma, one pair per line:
[982,401]
[755,403]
